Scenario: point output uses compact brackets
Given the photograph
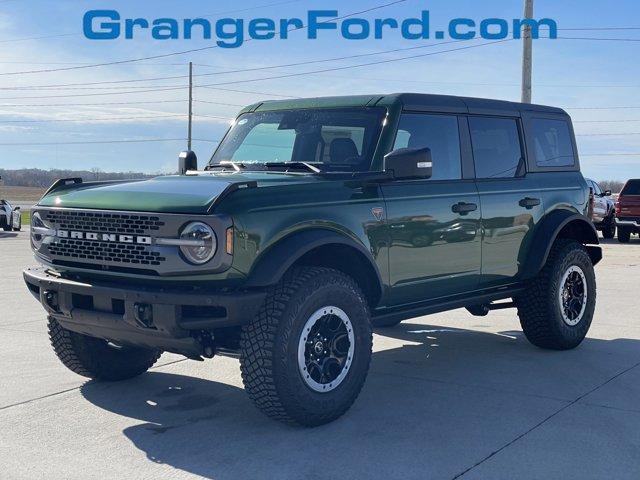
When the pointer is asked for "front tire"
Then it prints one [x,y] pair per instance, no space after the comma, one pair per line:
[556,310]
[97,359]
[609,228]
[305,357]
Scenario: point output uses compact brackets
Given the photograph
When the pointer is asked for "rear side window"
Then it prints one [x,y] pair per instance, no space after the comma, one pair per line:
[631,188]
[497,151]
[441,134]
[552,143]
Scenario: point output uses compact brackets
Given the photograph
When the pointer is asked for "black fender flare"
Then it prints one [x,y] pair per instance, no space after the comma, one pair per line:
[274,262]
[547,232]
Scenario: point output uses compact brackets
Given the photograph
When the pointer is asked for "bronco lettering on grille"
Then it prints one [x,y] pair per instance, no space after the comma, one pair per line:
[103,237]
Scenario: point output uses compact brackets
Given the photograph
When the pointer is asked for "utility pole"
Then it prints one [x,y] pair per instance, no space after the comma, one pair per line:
[527,53]
[190,105]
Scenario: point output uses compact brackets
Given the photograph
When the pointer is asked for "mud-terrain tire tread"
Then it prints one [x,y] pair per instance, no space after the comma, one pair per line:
[536,305]
[93,358]
[259,338]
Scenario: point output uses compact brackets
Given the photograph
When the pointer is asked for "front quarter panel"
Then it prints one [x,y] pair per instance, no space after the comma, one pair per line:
[265,216]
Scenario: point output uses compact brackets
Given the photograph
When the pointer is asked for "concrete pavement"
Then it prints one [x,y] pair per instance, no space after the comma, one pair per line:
[448,396]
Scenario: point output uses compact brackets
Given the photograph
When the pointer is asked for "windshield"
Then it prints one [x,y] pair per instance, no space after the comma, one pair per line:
[329,139]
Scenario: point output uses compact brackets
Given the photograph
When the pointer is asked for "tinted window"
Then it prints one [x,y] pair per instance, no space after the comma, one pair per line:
[496,147]
[596,188]
[552,143]
[631,188]
[440,133]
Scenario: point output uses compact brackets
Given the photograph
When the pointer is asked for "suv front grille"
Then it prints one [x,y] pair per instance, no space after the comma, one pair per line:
[105,252]
[104,222]
[105,255]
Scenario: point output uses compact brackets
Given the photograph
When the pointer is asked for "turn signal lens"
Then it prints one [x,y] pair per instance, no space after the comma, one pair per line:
[230,241]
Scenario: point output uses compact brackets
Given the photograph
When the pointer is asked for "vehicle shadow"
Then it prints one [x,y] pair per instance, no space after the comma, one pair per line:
[436,400]
[8,234]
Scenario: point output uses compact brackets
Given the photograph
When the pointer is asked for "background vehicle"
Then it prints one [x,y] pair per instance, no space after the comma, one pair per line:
[604,211]
[628,211]
[314,220]
[10,218]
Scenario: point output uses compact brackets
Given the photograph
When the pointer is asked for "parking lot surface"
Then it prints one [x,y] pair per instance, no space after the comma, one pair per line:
[448,396]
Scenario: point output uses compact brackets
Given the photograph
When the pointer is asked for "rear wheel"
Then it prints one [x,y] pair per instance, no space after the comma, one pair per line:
[556,310]
[19,227]
[624,235]
[306,355]
[96,358]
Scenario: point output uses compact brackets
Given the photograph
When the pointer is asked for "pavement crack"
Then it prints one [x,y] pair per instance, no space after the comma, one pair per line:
[539,424]
[62,392]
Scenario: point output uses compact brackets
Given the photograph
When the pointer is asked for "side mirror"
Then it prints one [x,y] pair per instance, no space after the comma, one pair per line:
[16,209]
[607,193]
[187,161]
[409,163]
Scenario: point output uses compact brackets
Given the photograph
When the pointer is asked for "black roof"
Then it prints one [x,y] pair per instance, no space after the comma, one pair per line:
[410,101]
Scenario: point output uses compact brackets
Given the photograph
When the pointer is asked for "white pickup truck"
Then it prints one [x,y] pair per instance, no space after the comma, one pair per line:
[10,219]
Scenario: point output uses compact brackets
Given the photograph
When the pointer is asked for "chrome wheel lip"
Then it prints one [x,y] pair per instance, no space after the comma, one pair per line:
[302,343]
[572,322]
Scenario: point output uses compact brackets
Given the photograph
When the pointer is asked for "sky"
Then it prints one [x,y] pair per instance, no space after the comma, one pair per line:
[586,77]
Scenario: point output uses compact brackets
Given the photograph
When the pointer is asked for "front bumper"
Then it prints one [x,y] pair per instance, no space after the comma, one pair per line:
[112,311]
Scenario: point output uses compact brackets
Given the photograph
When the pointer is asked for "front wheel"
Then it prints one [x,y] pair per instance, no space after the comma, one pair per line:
[609,228]
[305,357]
[556,310]
[96,358]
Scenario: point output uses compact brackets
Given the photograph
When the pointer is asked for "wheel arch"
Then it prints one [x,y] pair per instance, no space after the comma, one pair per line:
[561,224]
[318,247]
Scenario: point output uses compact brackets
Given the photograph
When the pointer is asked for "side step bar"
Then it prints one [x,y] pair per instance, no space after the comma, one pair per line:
[428,308]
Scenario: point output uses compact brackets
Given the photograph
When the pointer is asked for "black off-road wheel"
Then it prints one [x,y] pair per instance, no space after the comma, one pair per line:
[609,228]
[557,308]
[305,357]
[624,235]
[96,358]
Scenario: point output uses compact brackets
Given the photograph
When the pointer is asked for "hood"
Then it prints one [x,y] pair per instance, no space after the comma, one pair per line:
[194,194]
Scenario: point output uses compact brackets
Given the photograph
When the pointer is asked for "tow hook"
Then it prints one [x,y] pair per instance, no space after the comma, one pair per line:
[207,341]
[51,300]
[143,313]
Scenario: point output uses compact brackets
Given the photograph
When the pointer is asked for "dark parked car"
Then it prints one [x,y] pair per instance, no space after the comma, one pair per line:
[628,211]
[315,220]
[603,211]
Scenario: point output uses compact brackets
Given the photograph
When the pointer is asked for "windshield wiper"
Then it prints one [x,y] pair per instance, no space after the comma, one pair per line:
[238,167]
[306,165]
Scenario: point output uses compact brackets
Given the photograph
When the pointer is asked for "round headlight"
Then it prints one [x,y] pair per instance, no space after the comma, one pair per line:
[199,243]
[37,223]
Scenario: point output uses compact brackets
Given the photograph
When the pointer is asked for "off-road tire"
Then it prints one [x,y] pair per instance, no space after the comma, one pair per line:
[539,307]
[609,228]
[624,235]
[269,347]
[94,358]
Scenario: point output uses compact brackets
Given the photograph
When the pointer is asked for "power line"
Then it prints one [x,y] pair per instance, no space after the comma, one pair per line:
[607,134]
[103,142]
[154,102]
[348,67]
[247,92]
[76,95]
[102,119]
[183,52]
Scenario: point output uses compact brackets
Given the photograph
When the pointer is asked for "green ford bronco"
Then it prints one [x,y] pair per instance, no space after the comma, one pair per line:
[314,221]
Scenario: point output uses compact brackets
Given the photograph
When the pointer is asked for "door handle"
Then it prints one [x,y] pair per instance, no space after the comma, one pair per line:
[464,208]
[529,203]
